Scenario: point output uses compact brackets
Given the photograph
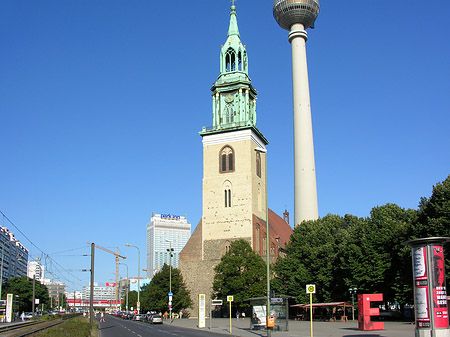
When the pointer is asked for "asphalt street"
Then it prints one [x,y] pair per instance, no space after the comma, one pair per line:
[118,327]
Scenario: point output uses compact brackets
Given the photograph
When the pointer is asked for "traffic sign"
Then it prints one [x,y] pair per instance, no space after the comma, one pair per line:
[216,302]
[229,298]
[170,294]
[310,288]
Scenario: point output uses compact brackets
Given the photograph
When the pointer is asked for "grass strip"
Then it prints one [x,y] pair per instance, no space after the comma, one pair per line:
[77,327]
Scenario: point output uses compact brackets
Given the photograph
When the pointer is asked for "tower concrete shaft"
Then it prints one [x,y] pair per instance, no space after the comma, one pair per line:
[305,188]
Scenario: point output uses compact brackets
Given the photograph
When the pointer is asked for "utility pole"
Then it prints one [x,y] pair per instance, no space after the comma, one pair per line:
[34,287]
[91,295]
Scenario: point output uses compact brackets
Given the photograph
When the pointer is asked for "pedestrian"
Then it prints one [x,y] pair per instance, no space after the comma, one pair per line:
[243,316]
[181,315]
[102,319]
[237,315]
[22,316]
[165,315]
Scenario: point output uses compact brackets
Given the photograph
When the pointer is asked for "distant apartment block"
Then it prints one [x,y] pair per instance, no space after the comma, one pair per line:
[15,255]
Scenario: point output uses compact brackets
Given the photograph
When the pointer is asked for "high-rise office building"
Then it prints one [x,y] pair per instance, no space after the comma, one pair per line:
[165,232]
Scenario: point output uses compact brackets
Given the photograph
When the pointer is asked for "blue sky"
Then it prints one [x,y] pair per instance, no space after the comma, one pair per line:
[101,103]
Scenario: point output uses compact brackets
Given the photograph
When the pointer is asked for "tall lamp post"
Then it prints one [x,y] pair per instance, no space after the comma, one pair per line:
[269,332]
[353,292]
[170,250]
[138,304]
[126,306]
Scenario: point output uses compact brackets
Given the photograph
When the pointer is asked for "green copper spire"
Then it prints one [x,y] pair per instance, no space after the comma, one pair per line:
[234,98]
[233,29]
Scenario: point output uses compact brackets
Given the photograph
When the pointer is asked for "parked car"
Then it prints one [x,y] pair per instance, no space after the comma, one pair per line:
[138,317]
[27,315]
[156,319]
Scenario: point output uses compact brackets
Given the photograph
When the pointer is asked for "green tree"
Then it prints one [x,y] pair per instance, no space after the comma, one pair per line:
[23,288]
[312,256]
[433,218]
[375,261]
[241,273]
[154,296]
[132,300]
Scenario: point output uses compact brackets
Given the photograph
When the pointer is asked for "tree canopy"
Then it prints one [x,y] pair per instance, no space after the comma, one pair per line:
[241,273]
[22,287]
[154,296]
[337,253]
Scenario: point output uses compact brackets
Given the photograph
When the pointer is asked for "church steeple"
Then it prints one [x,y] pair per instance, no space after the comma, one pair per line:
[234,98]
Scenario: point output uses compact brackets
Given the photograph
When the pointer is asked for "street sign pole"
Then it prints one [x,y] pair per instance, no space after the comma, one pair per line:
[230,299]
[311,289]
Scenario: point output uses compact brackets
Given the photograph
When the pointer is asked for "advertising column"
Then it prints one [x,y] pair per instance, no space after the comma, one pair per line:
[430,292]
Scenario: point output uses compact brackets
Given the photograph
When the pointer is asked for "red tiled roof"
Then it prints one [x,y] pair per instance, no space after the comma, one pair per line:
[279,227]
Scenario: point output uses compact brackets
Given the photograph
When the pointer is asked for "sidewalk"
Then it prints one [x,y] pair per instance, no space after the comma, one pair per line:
[299,328]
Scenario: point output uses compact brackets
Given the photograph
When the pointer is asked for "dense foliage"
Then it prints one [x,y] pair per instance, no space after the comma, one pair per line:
[154,296]
[241,273]
[22,289]
[337,253]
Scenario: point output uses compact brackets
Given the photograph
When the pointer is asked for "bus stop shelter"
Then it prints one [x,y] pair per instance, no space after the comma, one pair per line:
[279,308]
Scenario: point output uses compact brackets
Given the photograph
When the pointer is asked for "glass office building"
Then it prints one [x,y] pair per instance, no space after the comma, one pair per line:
[165,231]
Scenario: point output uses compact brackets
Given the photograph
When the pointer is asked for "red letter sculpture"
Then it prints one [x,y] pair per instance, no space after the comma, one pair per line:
[365,311]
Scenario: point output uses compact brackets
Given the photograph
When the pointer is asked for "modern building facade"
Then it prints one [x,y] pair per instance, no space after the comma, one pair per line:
[101,293]
[56,292]
[14,256]
[36,269]
[165,232]
[234,175]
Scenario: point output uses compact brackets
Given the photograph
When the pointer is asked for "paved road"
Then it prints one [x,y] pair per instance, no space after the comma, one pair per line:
[118,327]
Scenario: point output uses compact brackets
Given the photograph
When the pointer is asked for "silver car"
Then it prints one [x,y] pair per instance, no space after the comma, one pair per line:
[156,319]
[138,317]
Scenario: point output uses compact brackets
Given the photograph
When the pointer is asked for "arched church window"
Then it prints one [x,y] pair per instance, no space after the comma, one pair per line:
[258,164]
[227,246]
[229,118]
[226,159]
[227,193]
[257,238]
[230,60]
[240,61]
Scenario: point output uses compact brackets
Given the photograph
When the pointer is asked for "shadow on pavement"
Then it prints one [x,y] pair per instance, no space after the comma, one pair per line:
[377,335]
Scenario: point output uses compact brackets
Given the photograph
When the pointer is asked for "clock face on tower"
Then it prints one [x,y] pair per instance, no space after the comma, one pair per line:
[229,98]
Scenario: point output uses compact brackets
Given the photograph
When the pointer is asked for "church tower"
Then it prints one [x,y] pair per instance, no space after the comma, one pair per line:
[233,172]
[234,177]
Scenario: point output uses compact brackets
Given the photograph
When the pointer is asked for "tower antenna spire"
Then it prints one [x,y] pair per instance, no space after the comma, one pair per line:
[232,2]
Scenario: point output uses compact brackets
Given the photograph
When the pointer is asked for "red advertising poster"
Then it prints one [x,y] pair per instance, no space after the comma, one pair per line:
[439,289]
[421,284]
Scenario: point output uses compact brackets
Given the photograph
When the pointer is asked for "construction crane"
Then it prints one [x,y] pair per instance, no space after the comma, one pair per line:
[117,266]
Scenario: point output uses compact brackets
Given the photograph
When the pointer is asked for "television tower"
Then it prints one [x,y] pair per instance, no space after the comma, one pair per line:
[296,16]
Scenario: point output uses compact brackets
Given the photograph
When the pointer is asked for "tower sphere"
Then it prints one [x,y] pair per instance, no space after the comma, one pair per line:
[289,12]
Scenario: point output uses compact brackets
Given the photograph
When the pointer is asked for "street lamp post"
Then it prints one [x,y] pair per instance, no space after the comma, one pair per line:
[353,292]
[138,304]
[126,306]
[269,332]
[170,250]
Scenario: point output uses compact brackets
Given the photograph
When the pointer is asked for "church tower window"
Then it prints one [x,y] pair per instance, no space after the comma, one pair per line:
[258,164]
[226,159]
[227,198]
